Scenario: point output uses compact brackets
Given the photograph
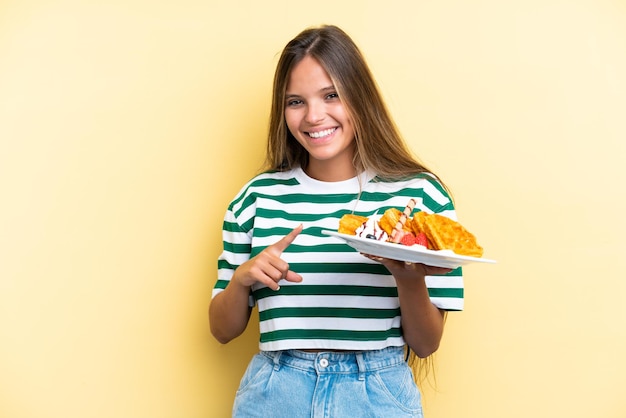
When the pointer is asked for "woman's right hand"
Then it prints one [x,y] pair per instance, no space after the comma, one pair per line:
[268,267]
[229,311]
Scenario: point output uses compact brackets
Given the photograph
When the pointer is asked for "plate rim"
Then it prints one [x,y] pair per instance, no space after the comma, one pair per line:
[447,254]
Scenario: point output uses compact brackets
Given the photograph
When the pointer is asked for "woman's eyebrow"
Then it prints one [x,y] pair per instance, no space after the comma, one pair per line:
[322,90]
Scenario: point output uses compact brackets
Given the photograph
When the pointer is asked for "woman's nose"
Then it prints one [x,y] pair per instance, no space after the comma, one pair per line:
[315,113]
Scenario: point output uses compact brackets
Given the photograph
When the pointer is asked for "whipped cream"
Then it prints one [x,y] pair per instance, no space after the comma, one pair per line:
[370,229]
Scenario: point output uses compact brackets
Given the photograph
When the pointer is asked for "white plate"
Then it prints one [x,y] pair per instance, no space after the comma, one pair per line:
[413,254]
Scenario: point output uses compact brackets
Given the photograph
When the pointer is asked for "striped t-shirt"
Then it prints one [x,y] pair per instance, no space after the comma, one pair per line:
[345,301]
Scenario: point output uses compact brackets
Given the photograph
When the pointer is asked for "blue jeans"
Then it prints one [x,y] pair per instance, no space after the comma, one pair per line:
[294,384]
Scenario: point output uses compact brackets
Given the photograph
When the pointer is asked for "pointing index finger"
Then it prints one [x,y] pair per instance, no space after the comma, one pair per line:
[286,241]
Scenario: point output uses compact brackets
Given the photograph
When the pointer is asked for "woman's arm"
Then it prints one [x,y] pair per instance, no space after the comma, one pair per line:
[422,322]
[229,310]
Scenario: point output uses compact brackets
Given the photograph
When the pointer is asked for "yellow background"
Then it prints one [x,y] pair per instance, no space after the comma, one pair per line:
[127,126]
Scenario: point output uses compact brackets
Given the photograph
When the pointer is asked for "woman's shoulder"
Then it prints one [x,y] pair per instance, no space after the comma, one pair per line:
[424,186]
[271,178]
[267,181]
[414,180]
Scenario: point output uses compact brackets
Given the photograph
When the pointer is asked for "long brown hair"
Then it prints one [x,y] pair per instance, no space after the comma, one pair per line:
[379,146]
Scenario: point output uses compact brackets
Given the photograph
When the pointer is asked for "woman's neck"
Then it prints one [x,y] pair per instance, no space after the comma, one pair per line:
[330,172]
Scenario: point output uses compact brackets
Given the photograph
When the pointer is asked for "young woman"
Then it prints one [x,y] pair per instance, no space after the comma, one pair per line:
[334,324]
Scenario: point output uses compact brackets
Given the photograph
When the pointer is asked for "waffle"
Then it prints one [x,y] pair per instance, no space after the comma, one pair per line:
[349,223]
[447,234]
[417,223]
[390,219]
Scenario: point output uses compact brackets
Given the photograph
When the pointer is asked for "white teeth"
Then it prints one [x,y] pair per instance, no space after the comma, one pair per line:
[321,134]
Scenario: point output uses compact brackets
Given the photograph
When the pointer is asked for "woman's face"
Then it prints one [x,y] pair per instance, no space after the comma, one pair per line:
[318,120]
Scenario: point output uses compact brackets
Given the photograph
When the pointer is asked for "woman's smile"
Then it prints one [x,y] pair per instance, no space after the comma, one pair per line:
[322,134]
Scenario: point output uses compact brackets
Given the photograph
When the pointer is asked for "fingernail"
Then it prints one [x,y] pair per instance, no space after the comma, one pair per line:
[277,289]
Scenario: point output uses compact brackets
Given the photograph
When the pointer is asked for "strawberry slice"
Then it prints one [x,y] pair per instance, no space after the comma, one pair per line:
[408,239]
[421,239]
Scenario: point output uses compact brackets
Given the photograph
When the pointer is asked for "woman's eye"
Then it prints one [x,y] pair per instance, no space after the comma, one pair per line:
[332,96]
[292,103]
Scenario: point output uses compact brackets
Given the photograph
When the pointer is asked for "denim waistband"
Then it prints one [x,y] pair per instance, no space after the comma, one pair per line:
[324,362]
